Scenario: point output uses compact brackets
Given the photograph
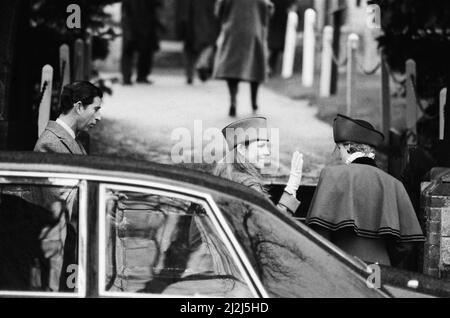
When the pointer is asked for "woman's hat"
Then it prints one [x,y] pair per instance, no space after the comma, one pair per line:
[346,129]
[246,130]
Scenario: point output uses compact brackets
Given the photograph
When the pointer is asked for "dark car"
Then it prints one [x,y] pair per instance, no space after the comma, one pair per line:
[123,228]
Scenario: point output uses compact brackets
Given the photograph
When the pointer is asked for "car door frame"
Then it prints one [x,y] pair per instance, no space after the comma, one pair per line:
[40,178]
[224,231]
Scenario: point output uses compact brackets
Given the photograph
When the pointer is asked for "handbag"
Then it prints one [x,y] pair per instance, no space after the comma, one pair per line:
[205,63]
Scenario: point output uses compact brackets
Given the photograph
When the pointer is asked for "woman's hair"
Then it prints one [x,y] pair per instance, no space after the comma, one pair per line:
[353,147]
[234,167]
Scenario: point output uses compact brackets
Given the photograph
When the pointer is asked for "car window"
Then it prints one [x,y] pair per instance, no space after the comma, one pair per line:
[159,243]
[40,236]
[288,262]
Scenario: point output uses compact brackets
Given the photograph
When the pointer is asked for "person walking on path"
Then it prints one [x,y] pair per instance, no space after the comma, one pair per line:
[140,26]
[242,51]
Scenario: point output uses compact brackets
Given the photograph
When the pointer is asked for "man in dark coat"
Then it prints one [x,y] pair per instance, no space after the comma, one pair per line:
[277,30]
[198,27]
[140,25]
[359,207]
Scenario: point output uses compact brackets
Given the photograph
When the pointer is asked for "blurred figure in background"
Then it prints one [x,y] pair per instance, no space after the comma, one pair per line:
[242,47]
[141,26]
[198,27]
[277,30]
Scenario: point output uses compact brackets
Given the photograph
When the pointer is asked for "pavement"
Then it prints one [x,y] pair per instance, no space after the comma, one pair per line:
[143,121]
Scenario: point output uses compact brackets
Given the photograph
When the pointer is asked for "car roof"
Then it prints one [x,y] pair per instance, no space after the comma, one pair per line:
[124,167]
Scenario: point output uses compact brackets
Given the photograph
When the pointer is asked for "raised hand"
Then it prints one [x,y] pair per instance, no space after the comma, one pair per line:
[295,176]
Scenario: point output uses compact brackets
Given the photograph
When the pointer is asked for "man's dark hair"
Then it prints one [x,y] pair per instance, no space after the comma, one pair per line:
[83,92]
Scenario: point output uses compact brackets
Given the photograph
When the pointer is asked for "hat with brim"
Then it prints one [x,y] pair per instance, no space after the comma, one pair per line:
[246,131]
[346,129]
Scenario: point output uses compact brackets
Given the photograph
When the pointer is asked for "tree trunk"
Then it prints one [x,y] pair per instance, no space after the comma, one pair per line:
[9,24]
[16,131]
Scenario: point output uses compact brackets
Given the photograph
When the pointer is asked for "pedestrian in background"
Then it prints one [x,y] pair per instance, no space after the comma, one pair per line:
[141,27]
[242,46]
[198,27]
[277,31]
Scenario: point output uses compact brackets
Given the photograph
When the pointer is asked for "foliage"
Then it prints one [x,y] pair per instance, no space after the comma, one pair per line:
[419,30]
[49,17]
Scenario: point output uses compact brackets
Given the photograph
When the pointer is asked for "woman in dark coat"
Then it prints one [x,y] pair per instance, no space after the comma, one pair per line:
[277,30]
[242,47]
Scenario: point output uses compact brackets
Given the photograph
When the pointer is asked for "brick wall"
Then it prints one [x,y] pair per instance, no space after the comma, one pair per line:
[436,205]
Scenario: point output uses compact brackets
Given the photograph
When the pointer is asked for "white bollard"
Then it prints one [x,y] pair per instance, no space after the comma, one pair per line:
[442,102]
[352,46]
[290,45]
[78,61]
[64,60]
[309,43]
[327,62]
[44,106]
[371,52]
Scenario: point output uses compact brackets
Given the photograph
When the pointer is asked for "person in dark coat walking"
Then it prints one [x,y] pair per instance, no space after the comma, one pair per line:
[198,27]
[141,26]
[242,46]
[277,30]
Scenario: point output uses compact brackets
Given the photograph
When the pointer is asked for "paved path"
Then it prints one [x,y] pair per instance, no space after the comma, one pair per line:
[139,120]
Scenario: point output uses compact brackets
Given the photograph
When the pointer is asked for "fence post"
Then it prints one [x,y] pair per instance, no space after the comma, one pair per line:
[88,59]
[64,64]
[46,98]
[78,62]
[290,45]
[327,62]
[411,101]
[442,102]
[385,100]
[309,43]
[352,46]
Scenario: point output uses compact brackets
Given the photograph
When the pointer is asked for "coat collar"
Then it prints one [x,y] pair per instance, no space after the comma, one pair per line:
[365,161]
[72,144]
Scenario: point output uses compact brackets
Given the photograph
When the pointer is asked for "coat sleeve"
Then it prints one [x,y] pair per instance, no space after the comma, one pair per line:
[288,203]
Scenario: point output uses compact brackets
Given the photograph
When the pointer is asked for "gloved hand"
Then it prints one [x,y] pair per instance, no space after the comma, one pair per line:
[295,177]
